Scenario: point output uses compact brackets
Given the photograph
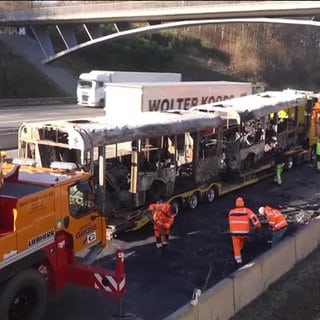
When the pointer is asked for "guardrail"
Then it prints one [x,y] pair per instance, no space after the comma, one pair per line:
[36,101]
[234,292]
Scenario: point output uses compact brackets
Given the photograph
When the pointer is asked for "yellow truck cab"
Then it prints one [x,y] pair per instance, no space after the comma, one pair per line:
[47,215]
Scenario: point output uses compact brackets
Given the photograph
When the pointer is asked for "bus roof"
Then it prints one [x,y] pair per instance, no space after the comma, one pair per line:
[101,131]
[258,105]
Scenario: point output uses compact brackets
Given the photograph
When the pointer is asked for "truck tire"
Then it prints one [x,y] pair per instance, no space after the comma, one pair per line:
[101,103]
[289,163]
[312,154]
[211,194]
[175,205]
[193,201]
[24,297]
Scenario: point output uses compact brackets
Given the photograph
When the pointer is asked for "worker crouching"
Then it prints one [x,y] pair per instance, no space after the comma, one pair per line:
[277,223]
[163,217]
[239,225]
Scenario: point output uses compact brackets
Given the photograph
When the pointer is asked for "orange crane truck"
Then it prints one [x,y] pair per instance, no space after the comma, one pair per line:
[47,216]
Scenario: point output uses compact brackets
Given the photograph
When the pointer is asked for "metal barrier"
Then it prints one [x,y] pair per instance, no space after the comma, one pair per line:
[36,101]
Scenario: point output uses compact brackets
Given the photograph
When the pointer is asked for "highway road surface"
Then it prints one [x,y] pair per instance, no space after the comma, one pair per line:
[13,117]
[157,285]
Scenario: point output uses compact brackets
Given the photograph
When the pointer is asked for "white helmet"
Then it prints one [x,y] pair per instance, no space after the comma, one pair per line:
[261,210]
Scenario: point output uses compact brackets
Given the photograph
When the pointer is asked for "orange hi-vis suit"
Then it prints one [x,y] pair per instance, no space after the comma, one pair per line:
[277,222]
[162,222]
[275,218]
[239,225]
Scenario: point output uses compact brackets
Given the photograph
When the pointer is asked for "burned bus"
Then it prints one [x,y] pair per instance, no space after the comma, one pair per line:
[137,160]
[268,120]
[183,157]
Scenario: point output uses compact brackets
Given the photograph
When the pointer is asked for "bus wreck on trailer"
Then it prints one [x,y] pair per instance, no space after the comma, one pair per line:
[136,161]
[268,119]
[180,156]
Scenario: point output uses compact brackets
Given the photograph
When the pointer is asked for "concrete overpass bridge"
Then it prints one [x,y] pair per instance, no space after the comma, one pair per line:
[148,16]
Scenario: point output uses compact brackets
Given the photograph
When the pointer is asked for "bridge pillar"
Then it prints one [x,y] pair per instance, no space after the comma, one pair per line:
[42,36]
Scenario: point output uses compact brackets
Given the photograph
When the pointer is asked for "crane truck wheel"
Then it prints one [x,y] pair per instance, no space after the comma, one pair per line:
[24,296]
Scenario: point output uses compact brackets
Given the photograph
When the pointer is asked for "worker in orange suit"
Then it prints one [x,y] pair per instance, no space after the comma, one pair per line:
[163,217]
[239,225]
[277,222]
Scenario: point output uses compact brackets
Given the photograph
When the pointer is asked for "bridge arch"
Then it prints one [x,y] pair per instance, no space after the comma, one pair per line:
[178,24]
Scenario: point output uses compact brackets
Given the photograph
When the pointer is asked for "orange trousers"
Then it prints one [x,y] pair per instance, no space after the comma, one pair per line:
[238,243]
[161,232]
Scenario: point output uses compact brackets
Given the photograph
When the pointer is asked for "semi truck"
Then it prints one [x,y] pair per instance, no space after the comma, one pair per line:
[131,98]
[90,86]
[47,217]
[181,156]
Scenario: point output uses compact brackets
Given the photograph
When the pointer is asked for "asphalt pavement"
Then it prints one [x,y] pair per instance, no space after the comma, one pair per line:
[11,118]
[157,285]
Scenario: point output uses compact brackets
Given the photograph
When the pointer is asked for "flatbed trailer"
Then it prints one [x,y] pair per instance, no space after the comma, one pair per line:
[189,198]
[181,156]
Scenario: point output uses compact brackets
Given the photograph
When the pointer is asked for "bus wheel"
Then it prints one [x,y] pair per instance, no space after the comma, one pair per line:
[289,163]
[247,164]
[193,201]
[211,194]
[24,296]
[175,205]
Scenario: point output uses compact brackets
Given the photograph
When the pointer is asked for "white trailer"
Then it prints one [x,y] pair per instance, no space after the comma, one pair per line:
[132,98]
[90,86]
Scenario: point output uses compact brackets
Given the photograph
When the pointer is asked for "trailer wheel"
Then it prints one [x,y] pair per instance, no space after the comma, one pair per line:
[313,156]
[211,194]
[175,205]
[289,163]
[24,296]
[193,201]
